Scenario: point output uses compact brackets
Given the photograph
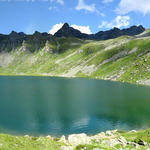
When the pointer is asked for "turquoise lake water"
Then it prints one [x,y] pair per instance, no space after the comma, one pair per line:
[56,106]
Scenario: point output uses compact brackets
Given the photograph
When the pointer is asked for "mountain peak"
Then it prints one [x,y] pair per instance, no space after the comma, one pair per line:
[68,31]
[66,25]
[140,26]
[13,33]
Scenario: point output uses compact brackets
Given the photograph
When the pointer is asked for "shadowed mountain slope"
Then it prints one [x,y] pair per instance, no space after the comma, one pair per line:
[38,40]
[67,31]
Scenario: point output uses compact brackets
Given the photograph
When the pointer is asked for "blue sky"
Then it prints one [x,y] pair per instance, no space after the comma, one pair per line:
[88,16]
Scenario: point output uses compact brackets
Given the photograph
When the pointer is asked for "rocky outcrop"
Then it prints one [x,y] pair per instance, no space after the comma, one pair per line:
[15,40]
[24,47]
[77,139]
[109,140]
[47,48]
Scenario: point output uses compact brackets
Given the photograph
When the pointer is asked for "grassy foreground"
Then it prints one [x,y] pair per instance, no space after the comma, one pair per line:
[111,140]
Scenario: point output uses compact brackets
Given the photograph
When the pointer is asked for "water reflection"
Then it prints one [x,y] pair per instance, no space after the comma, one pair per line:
[44,105]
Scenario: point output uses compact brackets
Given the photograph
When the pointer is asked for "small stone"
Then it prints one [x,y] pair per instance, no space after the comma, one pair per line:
[63,140]
[102,135]
[112,142]
[141,142]
[48,137]
[133,144]
[133,130]
[97,149]
[66,148]
[114,131]
[80,51]
[123,141]
[109,133]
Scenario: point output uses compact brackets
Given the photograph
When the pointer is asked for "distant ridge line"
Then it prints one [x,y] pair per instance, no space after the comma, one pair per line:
[67,31]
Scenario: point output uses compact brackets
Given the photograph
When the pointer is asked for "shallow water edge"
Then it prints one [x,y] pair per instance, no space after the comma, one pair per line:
[142,83]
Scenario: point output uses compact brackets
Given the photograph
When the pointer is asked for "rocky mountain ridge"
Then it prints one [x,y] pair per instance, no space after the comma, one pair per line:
[68,31]
[38,40]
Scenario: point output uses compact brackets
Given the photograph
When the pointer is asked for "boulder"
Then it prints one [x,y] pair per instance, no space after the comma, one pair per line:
[109,133]
[112,142]
[63,140]
[123,141]
[77,139]
[141,142]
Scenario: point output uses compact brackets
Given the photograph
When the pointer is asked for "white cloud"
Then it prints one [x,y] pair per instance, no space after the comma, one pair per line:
[126,6]
[83,29]
[82,6]
[119,21]
[103,24]
[55,28]
[91,8]
[52,8]
[61,2]
[107,1]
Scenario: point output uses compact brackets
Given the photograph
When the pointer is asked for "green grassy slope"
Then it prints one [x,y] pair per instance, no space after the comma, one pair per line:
[125,59]
[111,140]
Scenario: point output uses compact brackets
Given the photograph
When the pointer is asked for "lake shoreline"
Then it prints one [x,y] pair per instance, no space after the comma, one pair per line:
[141,83]
[115,139]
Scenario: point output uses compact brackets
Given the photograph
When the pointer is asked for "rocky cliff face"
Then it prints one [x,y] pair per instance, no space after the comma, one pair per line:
[15,40]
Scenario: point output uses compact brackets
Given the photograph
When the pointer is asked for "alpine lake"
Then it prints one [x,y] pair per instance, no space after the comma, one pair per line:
[62,106]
